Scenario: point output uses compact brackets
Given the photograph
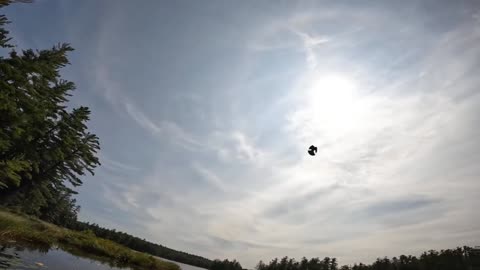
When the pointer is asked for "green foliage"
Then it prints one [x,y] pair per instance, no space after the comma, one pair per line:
[450,259]
[142,245]
[26,229]
[3,32]
[45,146]
[36,127]
[10,172]
[225,265]
[8,2]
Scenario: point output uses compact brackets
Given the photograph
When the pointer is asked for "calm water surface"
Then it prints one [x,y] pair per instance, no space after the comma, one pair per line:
[53,259]
[182,265]
[23,258]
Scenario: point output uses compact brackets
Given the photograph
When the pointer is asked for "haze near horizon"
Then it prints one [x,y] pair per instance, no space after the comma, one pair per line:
[205,111]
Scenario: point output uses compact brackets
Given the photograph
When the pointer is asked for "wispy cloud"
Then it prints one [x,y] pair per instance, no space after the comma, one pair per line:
[310,43]
[210,177]
[163,129]
[116,165]
[219,129]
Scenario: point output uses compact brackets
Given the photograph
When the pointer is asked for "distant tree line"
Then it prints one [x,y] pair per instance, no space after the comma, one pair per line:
[450,259]
[142,245]
[225,265]
[45,145]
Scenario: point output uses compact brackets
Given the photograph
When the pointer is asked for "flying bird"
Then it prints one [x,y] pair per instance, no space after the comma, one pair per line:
[312,150]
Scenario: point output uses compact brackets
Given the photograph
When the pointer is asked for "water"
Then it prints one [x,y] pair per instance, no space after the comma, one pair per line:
[23,258]
[52,259]
[182,265]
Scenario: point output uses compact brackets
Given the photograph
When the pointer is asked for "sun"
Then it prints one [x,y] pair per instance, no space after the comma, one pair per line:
[334,92]
[330,108]
[332,101]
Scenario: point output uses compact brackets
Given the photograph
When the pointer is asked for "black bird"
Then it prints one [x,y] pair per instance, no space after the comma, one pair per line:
[312,150]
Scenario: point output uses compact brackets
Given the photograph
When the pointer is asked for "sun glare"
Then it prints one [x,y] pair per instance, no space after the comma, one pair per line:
[332,99]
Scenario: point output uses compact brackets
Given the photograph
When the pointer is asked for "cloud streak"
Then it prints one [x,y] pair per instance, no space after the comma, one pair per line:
[206,145]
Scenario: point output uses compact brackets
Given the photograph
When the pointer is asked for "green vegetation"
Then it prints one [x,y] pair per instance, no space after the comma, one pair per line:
[25,229]
[225,265]
[45,146]
[142,245]
[45,149]
[450,259]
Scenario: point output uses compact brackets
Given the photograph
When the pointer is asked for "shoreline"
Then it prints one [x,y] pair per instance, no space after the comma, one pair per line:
[23,230]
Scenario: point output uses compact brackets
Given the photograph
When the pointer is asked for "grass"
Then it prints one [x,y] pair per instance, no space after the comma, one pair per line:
[31,231]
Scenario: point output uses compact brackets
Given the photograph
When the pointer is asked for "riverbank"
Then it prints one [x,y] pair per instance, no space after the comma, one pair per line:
[27,230]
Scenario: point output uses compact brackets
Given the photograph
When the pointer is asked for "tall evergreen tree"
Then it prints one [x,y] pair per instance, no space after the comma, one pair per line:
[45,147]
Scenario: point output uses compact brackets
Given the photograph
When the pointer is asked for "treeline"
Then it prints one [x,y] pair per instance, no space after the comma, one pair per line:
[225,265]
[45,145]
[450,259]
[143,245]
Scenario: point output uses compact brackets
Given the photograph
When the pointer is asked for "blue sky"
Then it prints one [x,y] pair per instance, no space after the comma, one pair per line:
[205,110]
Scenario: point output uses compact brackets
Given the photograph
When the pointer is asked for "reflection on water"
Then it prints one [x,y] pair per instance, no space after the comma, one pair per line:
[182,265]
[15,257]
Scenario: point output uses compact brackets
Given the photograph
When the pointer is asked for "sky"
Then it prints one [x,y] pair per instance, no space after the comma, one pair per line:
[205,111]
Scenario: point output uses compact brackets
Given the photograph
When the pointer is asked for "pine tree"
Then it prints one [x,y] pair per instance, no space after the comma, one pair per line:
[45,147]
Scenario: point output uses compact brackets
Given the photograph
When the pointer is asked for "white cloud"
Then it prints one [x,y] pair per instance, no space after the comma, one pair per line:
[142,119]
[116,165]
[210,177]
[396,131]
[309,44]
[162,129]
